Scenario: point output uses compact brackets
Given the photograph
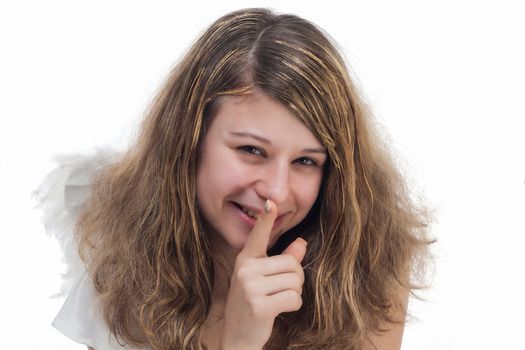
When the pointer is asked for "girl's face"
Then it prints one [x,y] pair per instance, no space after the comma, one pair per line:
[254,149]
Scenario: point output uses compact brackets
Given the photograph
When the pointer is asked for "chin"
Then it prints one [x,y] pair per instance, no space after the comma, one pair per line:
[237,241]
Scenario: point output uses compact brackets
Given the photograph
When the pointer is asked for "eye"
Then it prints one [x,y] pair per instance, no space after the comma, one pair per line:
[251,150]
[306,161]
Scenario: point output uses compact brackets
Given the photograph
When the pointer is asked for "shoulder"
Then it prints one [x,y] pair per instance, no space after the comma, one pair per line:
[392,337]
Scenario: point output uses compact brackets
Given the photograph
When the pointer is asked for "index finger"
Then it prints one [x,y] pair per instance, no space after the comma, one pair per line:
[257,241]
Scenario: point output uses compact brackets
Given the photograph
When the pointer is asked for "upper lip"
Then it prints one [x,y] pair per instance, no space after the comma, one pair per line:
[256,210]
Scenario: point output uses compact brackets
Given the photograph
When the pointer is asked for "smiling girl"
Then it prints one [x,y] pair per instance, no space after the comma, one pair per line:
[257,209]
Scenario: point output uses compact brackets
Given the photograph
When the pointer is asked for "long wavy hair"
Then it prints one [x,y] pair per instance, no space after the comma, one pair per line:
[142,236]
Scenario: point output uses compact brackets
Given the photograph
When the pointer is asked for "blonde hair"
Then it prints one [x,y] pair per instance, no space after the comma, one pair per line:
[141,234]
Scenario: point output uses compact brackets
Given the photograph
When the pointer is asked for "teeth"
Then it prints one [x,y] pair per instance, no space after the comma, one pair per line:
[250,213]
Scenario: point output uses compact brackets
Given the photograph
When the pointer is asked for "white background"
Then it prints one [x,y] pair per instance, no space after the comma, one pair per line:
[445,79]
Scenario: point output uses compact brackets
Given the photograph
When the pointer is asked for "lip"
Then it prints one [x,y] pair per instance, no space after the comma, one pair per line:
[251,221]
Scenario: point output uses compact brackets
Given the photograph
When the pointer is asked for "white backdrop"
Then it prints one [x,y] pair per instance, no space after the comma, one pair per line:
[445,79]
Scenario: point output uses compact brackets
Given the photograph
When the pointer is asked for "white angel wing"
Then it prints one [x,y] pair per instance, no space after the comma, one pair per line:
[61,196]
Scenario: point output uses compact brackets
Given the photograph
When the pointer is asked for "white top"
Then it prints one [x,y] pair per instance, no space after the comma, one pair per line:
[60,196]
[80,318]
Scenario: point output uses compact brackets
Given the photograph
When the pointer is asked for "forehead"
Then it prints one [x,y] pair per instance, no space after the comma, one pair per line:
[262,114]
[255,105]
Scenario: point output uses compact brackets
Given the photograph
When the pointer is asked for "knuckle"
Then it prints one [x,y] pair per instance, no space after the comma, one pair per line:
[239,274]
[257,309]
[298,301]
[290,262]
[301,276]
[243,272]
[298,267]
[288,296]
[298,282]
[293,300]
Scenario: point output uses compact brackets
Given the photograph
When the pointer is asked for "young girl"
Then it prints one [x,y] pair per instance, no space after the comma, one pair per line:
[257,209]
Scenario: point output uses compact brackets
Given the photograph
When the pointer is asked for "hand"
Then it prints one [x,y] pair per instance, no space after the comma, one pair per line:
[261,287]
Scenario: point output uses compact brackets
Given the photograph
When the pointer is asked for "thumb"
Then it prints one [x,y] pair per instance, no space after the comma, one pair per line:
[297,249]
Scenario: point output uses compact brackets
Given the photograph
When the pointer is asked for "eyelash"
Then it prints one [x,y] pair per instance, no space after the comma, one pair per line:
[310,161]
[252,150]
[249,149]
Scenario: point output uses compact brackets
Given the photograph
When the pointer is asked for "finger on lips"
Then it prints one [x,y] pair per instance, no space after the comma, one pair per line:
[259,237]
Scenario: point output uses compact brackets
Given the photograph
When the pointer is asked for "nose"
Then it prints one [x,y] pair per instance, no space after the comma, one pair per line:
[274,183]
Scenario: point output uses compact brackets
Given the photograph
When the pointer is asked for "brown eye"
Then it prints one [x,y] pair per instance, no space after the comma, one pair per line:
[251,150]
[306,161]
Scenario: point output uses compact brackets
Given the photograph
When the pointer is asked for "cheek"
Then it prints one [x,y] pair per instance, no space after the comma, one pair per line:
[220,174]
[306,191]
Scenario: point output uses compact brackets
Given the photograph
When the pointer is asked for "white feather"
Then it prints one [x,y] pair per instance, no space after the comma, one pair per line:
[60,196]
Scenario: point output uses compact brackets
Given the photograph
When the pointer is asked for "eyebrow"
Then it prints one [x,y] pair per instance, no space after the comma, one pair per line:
[265,140]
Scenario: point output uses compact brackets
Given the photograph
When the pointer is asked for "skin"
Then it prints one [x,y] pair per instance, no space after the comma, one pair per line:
[262,288]
[256,149]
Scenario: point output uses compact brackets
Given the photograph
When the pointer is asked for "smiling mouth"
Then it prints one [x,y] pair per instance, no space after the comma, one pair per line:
[255,215]
[248,212]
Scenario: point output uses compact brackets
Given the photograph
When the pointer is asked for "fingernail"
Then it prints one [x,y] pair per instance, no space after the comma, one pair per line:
[305,242]
[267,206]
